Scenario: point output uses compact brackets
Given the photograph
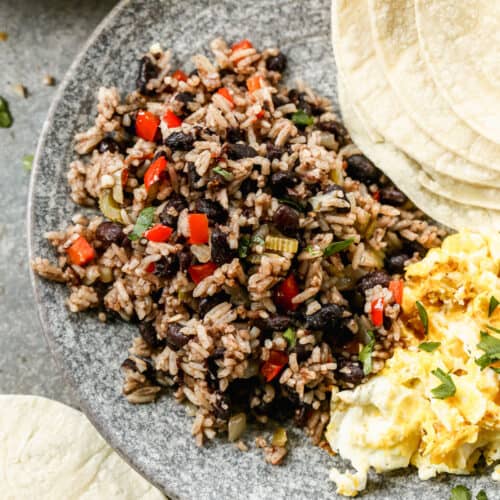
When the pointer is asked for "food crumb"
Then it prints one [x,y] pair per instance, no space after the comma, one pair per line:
[3,36]
[102,317]
[49,80]
[20,90]
[241,446]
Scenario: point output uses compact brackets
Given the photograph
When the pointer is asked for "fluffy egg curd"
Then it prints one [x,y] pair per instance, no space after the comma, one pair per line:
[436,404]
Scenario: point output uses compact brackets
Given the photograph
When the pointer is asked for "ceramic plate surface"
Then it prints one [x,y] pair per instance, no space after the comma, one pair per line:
[155,439]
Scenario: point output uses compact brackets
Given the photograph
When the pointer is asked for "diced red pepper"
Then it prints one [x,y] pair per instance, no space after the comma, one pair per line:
[254,83]
[124,176]
[260,114]
[154,172]
[158,233]
[272,367]
[180,75]
[150,267]
[396,287]
[199,272]
[242,44]
[81,252]
[224,92]
[285,292]
[171,119]
[146,125]
[198,229]
[377,311]
[376,195]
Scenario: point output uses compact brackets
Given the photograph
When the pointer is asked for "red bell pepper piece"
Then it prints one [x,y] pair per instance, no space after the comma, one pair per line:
[198,229]
[285,292]
[158,233]
[271,368]
[155,171]
[260,114]
[81,252]
[376,195]
[124,176]
[377,311]
[171,119]
[242,44]
[396,287]
[199,272]
[146,125]
[224,92]
[180,75]
[150,267]
[254,83]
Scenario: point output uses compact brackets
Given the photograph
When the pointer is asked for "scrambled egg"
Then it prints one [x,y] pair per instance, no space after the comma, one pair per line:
[395,420]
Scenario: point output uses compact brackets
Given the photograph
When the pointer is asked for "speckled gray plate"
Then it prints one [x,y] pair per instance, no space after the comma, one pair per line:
[155,439]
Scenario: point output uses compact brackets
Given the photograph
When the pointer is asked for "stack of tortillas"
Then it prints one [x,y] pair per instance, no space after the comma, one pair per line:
[49,451]
[419,88]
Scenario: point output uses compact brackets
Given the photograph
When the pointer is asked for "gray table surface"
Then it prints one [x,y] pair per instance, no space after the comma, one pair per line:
[44,37]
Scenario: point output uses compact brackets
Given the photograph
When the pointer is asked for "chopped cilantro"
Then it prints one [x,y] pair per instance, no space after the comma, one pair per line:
[460,493]
[228,176]
[423,316]
[258,240]
[143,223]
[337,246]
[5,116]
[291,337]
[481,495]
[447,388]
[429,346]
[365,356]
[244,246]
[302,119]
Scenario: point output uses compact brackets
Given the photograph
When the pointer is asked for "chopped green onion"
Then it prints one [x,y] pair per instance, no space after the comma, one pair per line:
[301,118]
[447,388]
[314,252]
[143,223]
[244,246]
[365,356]
[337,246]
[481,495]
[228,176]
[460,493]
[429,346]
[28,162]
[291,337]
[292,203]
[423,316]
[493,305]
[5,116]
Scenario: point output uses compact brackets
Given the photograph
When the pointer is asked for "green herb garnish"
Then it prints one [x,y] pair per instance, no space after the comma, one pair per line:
[314,252]
[491,347]
[365,356]
[143,223]
[460,493]
[228,176]
[5,116]
[337,246]
[258,240]
[493,305]
[429,346]
[291,337]
[243,246]
[301,118]
[447,388]
[481,495]
[423,316]
[28,162]
[292,203]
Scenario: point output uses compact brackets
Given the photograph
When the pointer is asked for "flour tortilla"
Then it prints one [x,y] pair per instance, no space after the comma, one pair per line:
[50,451]
[368,86]
[397,45]
[460,41]
[403,171]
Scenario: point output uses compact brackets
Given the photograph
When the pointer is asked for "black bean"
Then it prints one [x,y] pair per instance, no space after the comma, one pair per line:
[342,334]
[108,233]
[129,364]
[411,247]
[248,186]
[185,259]
[395,264]
[274,323]
[281,181]
[274,152]
[108,145]
[281,409]
[148,333]
[278,101]
[286,219]
[276,63]
[210,301]
[293,95]
[356,300]
[213,210]
[240,391]
[346,208]
[147,70]
[301,415]
[222,406]
[167,267]
[235,135]
[176,203]
[184,97]
[350,371]
[220,251]
[392,196]
[327,318]
[302,352]
[193,177]
[370,280]
[337,129]
[179,141]
[360,168]
[156,294]
[240,151]
[175,338]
